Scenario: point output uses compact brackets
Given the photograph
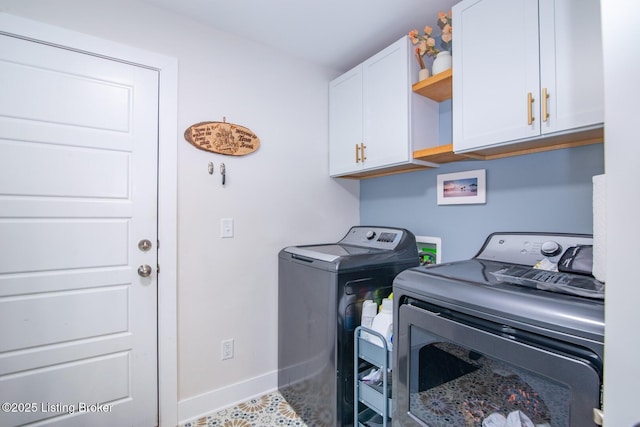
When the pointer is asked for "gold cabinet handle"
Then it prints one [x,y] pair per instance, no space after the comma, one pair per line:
[530,100]
[362,147]
[357,153]
[545,97]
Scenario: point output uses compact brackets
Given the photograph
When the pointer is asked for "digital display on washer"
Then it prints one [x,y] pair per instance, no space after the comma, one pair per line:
[387,237]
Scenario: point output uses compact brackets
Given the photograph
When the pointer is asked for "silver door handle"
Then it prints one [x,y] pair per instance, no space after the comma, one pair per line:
[144,245]
[144,270]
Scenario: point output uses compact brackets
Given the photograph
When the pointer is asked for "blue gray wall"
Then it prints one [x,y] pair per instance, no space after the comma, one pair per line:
[549,191]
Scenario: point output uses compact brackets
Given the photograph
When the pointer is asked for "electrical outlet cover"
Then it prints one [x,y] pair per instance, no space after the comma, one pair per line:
[227,349]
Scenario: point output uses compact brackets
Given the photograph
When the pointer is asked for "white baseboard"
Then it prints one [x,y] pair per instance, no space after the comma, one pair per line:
[215,400]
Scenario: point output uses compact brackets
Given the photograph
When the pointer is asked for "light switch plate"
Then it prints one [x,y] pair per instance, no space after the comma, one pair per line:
[226,227]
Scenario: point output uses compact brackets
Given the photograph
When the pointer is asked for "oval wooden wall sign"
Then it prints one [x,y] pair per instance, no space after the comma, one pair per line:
[222,138]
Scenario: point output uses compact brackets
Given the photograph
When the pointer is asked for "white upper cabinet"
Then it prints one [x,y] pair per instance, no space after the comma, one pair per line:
[375,120]
[525,70]
[345,122]
[571,64]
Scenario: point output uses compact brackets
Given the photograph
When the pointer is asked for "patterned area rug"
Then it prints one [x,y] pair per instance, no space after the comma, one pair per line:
[268,410]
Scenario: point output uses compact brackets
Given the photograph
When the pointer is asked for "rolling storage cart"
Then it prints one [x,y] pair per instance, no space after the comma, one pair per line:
[375,396]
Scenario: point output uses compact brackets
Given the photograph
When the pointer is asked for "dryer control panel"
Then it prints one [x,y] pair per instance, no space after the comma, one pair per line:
[374,237]
[529,248]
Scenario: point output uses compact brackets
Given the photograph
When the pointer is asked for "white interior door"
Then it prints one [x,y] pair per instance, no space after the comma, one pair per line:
[78,191]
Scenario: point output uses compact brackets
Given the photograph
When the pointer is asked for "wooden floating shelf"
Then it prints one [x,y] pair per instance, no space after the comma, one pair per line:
[375,173]
[555,142]
[444,153]
[438,87]
[439,154]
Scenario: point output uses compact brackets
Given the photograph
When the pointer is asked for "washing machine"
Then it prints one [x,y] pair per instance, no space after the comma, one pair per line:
[321,288]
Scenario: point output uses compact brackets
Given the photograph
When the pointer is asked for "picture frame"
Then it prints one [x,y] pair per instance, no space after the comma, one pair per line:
[462,188]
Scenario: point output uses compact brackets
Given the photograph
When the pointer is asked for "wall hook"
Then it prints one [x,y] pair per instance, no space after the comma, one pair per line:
[210,168]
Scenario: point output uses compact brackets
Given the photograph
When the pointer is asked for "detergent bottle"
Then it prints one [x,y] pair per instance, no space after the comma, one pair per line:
[383,323]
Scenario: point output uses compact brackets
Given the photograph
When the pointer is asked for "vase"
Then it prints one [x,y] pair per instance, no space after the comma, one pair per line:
[423,74]
[442,62]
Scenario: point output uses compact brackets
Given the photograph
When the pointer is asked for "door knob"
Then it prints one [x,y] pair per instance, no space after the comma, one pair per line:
[144,245]
[144,270]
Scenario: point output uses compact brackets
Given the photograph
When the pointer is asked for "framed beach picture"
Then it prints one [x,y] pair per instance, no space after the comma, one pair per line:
[462,188]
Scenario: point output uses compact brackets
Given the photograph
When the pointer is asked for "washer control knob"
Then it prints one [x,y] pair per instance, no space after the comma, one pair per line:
[370,234]
[550,248]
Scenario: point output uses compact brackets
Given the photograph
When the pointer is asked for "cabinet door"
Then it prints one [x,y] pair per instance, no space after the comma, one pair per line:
[345,122]
[571,68]
[386,106]
[495,67]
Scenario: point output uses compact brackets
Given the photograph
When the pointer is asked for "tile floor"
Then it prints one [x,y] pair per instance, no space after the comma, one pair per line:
[268,410]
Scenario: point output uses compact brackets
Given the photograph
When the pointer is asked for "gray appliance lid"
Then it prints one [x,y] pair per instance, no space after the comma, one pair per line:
[361,247]
[328,253]
[470,287]
[478,287]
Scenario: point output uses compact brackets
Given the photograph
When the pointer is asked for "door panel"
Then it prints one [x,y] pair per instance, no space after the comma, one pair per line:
[345,119]
[569,384]
[78,190]
[386,101]
[52,317]
[53,244]
[97,379]
[490,86]
[51,78]
[571,63]
[104,173]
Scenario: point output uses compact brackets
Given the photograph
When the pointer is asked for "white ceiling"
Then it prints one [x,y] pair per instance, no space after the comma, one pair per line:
[335,33]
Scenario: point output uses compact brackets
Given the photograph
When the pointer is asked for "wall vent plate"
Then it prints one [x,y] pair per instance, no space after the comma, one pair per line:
[430,249]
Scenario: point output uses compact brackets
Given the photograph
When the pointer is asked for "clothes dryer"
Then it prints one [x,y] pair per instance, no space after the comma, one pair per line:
[321,291]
